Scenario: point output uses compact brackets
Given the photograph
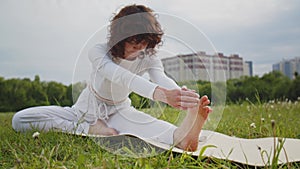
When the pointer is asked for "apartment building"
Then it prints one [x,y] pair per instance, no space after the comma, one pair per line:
[202,66]
[288,67]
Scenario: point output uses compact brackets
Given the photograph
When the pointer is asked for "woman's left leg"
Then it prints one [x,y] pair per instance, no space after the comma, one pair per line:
[49,118]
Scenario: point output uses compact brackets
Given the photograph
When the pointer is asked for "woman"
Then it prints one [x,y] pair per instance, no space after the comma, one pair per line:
[104,108]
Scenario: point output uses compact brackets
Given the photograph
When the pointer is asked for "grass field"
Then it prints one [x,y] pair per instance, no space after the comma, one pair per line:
[57,150]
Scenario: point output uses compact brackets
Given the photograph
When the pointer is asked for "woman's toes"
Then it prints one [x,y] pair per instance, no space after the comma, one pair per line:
[205,112]
[204,101]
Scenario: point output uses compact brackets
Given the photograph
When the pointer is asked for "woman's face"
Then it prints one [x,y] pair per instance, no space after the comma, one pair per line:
[133,50]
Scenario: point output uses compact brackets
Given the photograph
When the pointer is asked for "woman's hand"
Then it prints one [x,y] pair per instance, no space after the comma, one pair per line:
[182,99]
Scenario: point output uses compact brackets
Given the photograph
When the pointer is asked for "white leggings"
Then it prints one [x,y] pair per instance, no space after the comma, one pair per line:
[65,119]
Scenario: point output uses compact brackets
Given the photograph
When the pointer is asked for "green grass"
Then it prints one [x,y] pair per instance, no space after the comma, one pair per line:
[58,150]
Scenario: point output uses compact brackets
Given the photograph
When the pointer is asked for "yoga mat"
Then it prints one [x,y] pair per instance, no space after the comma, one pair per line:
[254,152]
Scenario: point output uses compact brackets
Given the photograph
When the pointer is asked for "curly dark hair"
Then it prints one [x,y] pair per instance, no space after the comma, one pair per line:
[134,23]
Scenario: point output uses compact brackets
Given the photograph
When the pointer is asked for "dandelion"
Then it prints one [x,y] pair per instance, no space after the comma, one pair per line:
[273,123]
[248,108]
[252,125]
[35,135]
[272,107]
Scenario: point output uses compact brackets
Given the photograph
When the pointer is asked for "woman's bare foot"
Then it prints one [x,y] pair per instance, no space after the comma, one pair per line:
[186,136]
[100,128]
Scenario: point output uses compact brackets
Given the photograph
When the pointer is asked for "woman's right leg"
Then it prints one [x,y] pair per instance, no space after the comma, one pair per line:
[186,136]
[47,118]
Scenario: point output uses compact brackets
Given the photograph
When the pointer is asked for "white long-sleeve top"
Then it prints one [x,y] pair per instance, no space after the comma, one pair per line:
[114,82]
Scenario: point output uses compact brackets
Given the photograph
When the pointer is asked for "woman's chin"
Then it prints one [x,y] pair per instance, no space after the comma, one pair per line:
[131,57]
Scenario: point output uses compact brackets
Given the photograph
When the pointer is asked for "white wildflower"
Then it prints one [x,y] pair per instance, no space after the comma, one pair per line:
[272,107]
[262,119]
[253,125]
[273,123]
[35,134]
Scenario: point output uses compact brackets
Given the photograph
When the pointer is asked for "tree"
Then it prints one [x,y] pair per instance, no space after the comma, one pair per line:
[294,91]
[56,93]
[38,92]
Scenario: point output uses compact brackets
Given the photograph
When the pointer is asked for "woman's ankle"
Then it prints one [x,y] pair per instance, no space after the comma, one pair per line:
[188,144]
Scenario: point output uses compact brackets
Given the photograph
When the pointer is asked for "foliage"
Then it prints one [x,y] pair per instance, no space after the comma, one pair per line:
[58,150]
[271,86]
[16,94]
[138,101]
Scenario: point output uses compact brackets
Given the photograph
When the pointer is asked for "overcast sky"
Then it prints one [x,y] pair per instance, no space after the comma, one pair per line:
[45,37]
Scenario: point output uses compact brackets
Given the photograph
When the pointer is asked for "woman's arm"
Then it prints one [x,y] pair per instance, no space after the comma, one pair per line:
[168,91]
[158,76]
[175,97]
[105,67]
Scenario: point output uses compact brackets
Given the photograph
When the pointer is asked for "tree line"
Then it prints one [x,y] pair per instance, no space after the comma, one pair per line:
[17,94]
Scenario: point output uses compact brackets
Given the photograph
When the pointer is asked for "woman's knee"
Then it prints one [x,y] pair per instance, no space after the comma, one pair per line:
[16,120]
[21,118]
